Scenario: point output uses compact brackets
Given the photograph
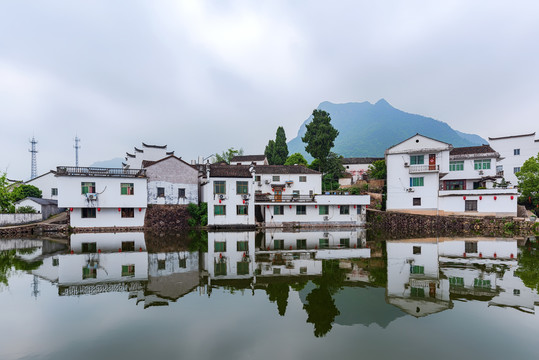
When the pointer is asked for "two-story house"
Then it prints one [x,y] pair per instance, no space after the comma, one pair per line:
[103,197]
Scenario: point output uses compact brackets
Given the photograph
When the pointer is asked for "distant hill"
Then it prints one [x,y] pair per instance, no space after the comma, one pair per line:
[112,163]
[367,130]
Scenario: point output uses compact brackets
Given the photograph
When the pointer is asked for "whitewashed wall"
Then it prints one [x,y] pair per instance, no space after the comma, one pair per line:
[230,200]
[14,219]
[505,147]
[45,183]
[231,256]
[313,183]
[107,217]
[453,201]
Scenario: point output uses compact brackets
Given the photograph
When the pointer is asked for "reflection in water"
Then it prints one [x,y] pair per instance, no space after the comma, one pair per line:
[338,277]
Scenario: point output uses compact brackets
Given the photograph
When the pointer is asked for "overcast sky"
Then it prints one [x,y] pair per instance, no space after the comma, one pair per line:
[202,76]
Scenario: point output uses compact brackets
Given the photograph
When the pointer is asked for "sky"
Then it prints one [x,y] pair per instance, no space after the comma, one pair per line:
[204,76]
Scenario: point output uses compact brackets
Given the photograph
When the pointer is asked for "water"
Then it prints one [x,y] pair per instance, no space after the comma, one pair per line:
[296,295]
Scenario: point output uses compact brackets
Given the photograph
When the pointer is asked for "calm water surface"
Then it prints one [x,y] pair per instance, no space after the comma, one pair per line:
[274,295]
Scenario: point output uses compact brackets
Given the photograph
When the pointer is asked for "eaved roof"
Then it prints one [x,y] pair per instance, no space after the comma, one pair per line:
[242,158]
[225,170]
[470,150]
[40,201]
[360,160]
[154,146]
[37,177]
[148,163]
[511,136]
[284,169]
[418,134]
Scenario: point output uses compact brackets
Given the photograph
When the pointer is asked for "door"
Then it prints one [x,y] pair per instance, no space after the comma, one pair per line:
[278,194]
[432,161]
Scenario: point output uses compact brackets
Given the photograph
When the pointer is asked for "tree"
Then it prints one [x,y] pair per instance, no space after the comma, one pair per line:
[6,203]
[378,170]
[528,181]
[296,158]
[320,137]
[24,191]
[227,155]
[332,171]
[277,151]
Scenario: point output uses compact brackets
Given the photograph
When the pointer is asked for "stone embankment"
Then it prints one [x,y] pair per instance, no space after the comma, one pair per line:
[166,218]
[55,224]
[397,225]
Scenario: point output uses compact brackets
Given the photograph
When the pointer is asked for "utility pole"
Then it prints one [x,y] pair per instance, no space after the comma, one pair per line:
[33,151]
[77,147]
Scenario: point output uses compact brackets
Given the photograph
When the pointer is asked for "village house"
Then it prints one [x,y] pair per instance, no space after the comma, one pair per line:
[103,197]
[514,151]
[249,160]
[171,181]
[357,168]
[45,207]
[47,183]
[147,152]
[428,176]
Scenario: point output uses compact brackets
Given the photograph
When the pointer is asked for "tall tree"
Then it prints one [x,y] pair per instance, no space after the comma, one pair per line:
[269,151]
[24,191]
[280,151]
[6,204]
[528,182]
[227,155]
[296,159]
[320,137]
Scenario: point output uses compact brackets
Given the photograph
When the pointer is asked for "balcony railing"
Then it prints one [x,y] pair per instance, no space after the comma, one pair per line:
[424,168]
[95,171]
[284,198]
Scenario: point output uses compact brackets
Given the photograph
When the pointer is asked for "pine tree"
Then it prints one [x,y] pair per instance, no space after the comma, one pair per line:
[280,150]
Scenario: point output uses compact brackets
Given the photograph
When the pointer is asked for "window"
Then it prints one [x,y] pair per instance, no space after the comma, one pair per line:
[499,168]
[456,165]
[470,205]
[516,151]
[128,212]
[258,178]
[301,244]
[219,268]
[182,263]
[311,192]
[345,243]
[516,169]
[242,246]
[219,210]
[345,209]
[454,185]
[295,194]
[480,283]
[241,210]
[323,243]
[87,187]
[303,270]
[128,270]
[242,187]
[276,178]
[278,244]
[243,267]
[160,192]
[276,271]
[55,262]
[127,189]
[417,181]
[87,213]
[456,281]
[416,201]
[161,264]
[128,246]
[219,187]
[323,209]
[219,246]
[89,273]
[516,292]
[359,209]
[415,269]
[303,179]
[54,192]
[417,159]
[481,164]
[301,209]
[181,193]
[417,292]
[470,247]
[416,250]
[278,210]
[89,247]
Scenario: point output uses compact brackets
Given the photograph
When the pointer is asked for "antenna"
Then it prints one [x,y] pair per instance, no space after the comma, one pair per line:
[33,151]
[77,147]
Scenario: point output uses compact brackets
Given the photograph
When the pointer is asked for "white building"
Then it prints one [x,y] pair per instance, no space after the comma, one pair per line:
[47,183]
[45,207]
[249,160]
[358,167]
[428,176]
[103,197]
[171,181]
[514,151]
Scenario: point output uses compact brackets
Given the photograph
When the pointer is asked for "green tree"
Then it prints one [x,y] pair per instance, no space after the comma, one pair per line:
[227,155]
[320,137]
[296,158]
[278,292]
[24,191]
[269,151]
[528,182]
[378,170]
[528,267]
[280,151]
[332,171]
[6,203]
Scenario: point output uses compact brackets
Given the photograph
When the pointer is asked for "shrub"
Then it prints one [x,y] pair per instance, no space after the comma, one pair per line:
[26,210]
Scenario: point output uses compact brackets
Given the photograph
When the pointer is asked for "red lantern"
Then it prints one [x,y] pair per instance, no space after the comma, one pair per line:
[316,206]
[512,197]
[354,206]
[355,246]
[463,254]
[244,201]
[495,197]
[290,206]
[99,251]
[512,256]
[140,249]
[495,255]
[139,209]
[480,255]
[71,209]
[464,197]
[119,209]
[284,189]
[290,247]
[219,201]
[338,206]
[119,249]
[480,198]
[268,206]
[98,209]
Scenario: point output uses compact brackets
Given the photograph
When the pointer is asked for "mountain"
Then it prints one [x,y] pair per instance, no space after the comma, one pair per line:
[367,130]
[112,163]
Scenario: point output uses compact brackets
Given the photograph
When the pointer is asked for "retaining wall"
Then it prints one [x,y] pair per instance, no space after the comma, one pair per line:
[16,219]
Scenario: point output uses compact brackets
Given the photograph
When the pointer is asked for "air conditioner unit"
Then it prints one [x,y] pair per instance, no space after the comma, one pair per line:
[245,197]
[260,183]
[410,190]
[267,181]
[481,172]
[326,218]
[406,164]
[221,197]
[91,196]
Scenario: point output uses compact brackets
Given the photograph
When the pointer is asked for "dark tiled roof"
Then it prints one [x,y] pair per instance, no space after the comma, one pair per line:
[360,160]
[510,137]
[469,150]
[41,201]
[154,146]
[130,155]
[138,150]
[225,170]
[242,158]
[146,163]
[284,169]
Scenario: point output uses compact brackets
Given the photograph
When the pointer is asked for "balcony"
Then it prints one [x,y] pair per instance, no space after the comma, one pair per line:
[94,171]
[416,169]
[264,198]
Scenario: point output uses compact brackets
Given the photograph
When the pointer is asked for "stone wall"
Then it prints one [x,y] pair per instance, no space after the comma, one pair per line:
[166,218]
[397,225]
